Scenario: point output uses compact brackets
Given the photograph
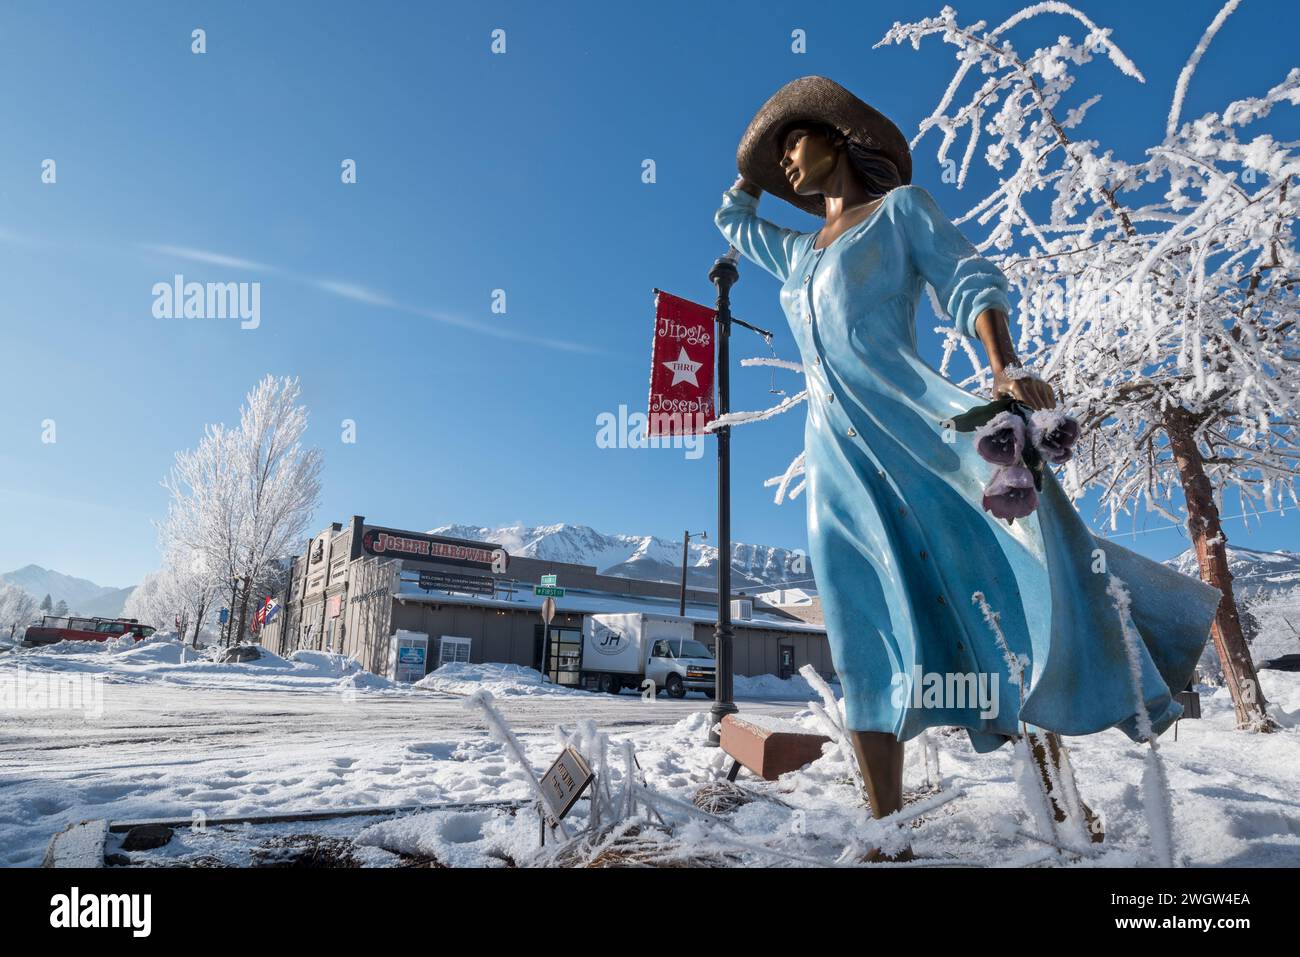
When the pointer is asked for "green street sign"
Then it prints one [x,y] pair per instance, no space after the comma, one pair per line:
[548,580]
[548,590]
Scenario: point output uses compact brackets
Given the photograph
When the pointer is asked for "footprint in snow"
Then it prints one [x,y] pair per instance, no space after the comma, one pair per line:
[44,806]
[434,749]
[104,793]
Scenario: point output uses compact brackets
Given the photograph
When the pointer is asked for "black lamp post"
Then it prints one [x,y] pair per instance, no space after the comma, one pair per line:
[723,275]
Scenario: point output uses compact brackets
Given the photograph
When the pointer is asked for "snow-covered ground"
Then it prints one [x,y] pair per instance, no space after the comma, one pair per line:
[171,737]
[501,680]
[168,661]
[157,730]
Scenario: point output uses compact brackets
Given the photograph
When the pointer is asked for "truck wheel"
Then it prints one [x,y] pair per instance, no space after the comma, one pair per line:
[611,684]
[675,687]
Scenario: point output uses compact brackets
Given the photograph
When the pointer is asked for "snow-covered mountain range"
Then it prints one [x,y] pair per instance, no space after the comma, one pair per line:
[643,556]
[1254,573]
[1265,585]
[83,597]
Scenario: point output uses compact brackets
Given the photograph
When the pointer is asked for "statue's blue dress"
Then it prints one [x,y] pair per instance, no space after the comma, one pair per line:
[898,539]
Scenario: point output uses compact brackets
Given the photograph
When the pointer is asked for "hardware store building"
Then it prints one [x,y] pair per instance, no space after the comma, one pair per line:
[358,584]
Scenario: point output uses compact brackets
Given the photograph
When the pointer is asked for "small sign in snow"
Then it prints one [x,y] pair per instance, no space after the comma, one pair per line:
[564,782]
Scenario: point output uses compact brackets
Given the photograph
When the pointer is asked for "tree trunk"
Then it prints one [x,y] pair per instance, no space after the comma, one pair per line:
[199,614]
[243,608]
[230,618]
[1212,555]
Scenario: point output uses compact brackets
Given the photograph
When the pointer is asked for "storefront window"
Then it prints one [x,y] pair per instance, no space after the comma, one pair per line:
[564,661]
[452,650]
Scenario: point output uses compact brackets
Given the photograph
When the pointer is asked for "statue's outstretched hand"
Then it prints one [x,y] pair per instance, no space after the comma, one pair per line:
[1019,383]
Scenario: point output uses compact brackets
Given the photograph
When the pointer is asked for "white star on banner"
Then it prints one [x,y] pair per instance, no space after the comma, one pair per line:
[683,369]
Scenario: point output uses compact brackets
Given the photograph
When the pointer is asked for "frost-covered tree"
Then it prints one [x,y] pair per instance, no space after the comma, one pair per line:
[202,528]
[242,499]
[281,480]
[145,603]
[61,609]
[47,604]
[1277,623]
[180,595]
[1158,295]
[17,608]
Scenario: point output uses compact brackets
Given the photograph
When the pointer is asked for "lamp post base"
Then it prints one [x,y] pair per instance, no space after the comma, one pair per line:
[719,711]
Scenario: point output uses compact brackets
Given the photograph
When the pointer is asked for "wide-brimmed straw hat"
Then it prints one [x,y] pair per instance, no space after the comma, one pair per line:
[814,99]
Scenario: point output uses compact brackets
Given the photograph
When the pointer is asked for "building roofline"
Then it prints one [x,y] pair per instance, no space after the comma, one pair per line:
[593,606]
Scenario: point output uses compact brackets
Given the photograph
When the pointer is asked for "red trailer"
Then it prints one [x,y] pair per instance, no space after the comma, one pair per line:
[70,628]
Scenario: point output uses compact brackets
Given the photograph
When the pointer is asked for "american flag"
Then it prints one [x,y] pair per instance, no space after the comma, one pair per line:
[264,614]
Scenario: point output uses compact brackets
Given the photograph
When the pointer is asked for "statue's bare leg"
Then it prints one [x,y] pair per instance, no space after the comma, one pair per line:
[880,758]
[1091,820]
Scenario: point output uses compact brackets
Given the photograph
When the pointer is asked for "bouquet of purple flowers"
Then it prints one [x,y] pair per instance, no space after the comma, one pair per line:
[1018,440]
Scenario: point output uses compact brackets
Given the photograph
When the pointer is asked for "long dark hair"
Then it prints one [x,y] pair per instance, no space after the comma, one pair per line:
[875,171]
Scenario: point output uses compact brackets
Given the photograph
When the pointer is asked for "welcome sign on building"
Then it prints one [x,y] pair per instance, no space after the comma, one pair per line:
[389,543]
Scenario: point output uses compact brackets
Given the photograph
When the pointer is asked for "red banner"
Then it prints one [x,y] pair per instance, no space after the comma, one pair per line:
[681,367]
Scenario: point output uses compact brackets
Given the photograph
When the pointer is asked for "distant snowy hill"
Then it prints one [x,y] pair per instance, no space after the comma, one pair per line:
[1254,573]
[642,556]
[83,597]
[1270,617]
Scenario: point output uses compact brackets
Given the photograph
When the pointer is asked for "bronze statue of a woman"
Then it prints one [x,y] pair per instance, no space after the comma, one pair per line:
[899,537]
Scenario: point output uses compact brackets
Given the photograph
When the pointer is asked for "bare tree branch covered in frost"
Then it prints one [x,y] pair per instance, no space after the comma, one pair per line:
[17,609]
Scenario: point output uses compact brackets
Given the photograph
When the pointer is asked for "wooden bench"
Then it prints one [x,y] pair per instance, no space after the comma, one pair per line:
[768,746]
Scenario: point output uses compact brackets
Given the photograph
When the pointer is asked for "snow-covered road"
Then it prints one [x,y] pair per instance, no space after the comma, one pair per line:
[163,749]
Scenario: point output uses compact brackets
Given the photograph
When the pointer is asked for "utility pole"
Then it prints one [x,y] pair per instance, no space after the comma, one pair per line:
[686,551]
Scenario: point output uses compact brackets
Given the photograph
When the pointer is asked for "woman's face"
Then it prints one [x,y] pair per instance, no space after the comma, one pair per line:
[807,159]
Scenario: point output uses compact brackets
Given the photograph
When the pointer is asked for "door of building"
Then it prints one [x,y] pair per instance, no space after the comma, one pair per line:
[786,661]
[564,661]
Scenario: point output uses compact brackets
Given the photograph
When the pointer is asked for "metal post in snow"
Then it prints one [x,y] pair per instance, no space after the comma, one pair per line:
[724,275]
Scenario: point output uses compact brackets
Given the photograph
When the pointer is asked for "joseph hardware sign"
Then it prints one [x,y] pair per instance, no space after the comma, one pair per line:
[432,548]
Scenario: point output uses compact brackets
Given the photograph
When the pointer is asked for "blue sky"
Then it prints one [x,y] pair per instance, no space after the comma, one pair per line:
[476,172]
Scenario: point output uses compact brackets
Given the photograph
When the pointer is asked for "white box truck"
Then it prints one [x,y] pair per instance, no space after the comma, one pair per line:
[623,651]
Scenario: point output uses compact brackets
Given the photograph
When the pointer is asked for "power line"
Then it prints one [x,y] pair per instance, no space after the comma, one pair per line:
[1138,531]
[1222,518]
